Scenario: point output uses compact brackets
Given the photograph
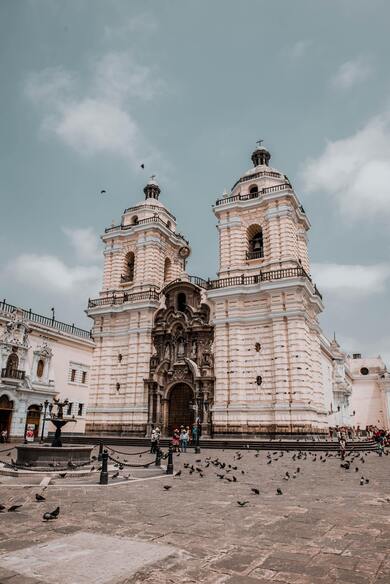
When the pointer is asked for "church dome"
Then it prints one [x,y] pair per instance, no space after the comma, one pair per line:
[263,174]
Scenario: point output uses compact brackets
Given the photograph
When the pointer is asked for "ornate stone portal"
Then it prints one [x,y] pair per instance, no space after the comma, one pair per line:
[181,380]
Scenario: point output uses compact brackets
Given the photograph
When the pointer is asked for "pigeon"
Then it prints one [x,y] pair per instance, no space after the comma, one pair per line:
[9,454]
[2,507]
[115,475]
[14,508]
[39,497]
[51,515]
[356,469]
[220,476]
[279,492]
[362,481]
[62,475]
[242,503]
[178,473]
[255,491]
[367,481]
[167,487]
[298,469]
[234,479]
[103,192]
[269,462]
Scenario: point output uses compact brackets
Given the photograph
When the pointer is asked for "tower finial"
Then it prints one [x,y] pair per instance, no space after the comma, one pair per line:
[152,190]
[260,156]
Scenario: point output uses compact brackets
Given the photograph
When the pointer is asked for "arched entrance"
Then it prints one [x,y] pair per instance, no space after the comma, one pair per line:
[181,412]
[6,407]
[33,417]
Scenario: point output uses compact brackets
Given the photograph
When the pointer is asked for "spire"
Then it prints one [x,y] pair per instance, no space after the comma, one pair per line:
[260,155]
[152,190]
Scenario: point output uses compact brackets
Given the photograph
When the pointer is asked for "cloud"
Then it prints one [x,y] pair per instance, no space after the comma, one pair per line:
[85,243]
[143,23]
[355,171]
[49,272]
[94,117]
[355,279]
[351,73]
[299,49]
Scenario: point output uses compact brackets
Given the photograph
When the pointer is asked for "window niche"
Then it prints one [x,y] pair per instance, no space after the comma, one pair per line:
[255,249]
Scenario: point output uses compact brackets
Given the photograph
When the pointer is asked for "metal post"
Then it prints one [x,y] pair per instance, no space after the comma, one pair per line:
[104,471]
[100,450]
[45,403]
[158,456]
[170,461]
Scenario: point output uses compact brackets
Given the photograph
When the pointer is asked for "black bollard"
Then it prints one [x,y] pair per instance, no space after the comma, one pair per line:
[100,450]
[158,456]
[104,471]
[170,461]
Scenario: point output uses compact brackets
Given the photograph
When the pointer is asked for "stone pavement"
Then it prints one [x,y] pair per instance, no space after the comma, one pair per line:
[325,528]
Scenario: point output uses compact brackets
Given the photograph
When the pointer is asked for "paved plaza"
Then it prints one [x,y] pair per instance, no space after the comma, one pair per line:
[325,527]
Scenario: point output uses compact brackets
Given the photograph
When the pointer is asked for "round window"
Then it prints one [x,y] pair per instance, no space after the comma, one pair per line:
[364,371]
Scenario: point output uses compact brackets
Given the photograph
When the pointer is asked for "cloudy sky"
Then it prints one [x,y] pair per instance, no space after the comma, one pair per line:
[91,88]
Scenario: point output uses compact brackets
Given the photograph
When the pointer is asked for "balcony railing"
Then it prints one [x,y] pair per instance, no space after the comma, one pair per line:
[64,327]
[12,373]
[120,298]
[255,175]
[255,255]
[146,221]
[247,196]
[152,294]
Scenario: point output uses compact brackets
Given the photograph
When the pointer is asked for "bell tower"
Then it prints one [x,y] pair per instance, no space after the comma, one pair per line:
[142,254]
[265,310]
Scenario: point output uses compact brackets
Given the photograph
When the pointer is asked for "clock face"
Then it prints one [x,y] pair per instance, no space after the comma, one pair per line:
[184,251]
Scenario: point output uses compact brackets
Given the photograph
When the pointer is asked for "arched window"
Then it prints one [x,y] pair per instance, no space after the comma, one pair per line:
[129,267]
[181,302]
[12,364]
[134,220]
[255,248]
[167,270]
[253,191]
[40,367]
[169,224]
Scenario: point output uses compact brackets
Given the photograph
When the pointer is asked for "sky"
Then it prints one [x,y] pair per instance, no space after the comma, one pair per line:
[92,88]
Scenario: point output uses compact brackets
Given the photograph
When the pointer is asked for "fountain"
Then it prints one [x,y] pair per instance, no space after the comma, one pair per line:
[48,457]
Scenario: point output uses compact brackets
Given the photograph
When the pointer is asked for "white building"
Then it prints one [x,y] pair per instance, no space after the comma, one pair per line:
[41,358]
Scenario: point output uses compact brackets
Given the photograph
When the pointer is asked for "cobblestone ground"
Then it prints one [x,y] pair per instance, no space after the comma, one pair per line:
[325,527]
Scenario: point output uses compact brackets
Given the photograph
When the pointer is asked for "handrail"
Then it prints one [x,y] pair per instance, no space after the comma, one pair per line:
[145,222]
[242,280]
[248,196]
[45,320]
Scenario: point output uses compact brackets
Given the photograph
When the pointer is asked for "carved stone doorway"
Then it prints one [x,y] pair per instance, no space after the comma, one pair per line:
[180,412]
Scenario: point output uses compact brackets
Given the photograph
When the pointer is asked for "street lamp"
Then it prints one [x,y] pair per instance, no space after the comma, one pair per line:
[45,404]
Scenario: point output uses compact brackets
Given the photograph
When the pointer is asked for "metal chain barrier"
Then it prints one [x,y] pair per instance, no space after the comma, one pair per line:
[127,453]
[145,465]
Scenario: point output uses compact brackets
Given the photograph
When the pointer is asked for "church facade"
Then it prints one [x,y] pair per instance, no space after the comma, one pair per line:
[243,354]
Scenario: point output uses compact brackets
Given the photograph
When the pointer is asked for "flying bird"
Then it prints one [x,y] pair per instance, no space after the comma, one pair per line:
[103,192]
[142,165]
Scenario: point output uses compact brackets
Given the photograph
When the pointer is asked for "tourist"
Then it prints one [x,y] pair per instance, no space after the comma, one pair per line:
[184,436]
[176,440]
[154,441]
[4,435]
[342,445]
[189,435]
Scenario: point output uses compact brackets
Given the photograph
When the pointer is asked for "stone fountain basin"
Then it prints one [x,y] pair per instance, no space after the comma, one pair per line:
[36,455]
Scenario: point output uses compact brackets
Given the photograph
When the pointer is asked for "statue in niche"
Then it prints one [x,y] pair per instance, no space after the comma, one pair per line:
[167,352]
[194,349]
[180,348]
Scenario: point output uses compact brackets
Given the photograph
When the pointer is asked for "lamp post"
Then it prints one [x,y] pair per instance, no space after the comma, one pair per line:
[45,405]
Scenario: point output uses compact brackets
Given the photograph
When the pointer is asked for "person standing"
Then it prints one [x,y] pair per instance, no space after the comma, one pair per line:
[184,440]
[176,440]
[153,442]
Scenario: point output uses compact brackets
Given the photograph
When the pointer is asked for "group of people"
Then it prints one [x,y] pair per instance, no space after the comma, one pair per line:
[181,438]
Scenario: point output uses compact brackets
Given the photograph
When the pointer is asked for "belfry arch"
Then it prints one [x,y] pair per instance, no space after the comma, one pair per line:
[181,377]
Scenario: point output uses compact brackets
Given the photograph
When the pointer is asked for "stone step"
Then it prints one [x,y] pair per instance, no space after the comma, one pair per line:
[231,443]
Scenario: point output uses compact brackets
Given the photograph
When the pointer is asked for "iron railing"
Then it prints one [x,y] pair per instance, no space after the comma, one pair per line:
[255,255]
[45,320]
[12,373]
[248,196]
[255,175]
[146,221]
[242,280]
